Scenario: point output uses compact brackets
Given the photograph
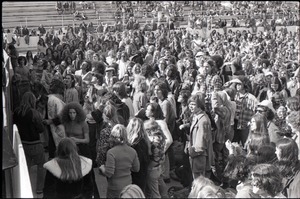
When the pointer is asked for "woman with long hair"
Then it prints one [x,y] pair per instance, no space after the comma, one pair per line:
[119,89]
[41,46]
[139,96]
[138,140]
[29,59]
[110,119]
[289,165]
[276,93]
[294,122]
[69,169]
[30,126]
[73,118]
[258,134]
[157,157]
[120,162]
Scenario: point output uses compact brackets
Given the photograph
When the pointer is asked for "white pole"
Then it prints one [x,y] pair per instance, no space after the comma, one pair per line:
[26,22]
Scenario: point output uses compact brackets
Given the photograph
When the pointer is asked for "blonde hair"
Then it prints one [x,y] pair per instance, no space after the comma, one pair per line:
[118,135]
[135,131]
[140,83]
[132,191]
[198,184]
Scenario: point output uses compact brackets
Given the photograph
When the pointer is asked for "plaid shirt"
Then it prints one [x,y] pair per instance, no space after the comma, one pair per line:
[245,109]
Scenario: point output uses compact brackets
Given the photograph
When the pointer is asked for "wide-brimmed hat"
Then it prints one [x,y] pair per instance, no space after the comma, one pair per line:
[267,103]
[236,80]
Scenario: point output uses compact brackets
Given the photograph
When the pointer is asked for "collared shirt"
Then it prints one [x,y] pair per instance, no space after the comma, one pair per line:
[245,107]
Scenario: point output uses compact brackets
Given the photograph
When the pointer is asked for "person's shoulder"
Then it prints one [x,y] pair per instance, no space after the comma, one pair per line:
[86,165]
[53,167]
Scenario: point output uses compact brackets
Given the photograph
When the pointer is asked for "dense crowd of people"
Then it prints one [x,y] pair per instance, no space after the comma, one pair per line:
[141,106]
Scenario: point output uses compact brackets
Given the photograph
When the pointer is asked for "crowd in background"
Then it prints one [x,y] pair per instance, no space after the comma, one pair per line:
[144,105]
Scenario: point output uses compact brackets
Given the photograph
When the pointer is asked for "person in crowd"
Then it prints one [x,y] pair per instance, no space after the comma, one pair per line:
[154,170]
[29,59]
[266,180]
[258,135]
[70,94]
[293,121]
[21,70]
[110,119]
[73,118]
[266,109]
[245,109]
[288,163]
[139,96]
[79,59]
[132,191]
[30,126]
[294,84]
[120,162]
[41,46]
[138,140]
[68,168]
[199,147]
[120,90]
[292,104]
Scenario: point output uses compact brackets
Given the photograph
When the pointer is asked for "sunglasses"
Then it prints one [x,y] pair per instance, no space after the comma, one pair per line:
[260,111]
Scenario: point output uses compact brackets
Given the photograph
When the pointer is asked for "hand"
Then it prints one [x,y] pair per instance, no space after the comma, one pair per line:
[181,126]
[228,145]
[47,122]
[102,169]
[74,139]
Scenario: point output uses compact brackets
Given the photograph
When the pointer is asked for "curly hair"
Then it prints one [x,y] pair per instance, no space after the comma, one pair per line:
[147,70]
[268,178]
[293,119]
[173,71]
[156,110]
[80,114]
[293,103]
[118,135]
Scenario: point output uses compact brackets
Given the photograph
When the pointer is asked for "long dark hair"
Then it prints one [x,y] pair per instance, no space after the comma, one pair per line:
[288,162]
[28,102]
[68,160]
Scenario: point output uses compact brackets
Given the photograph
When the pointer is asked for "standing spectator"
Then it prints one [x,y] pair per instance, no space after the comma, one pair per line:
[121,161]
[245,106]
[41,46]
[199,147]
[30,126]
[138,140]
[70,94]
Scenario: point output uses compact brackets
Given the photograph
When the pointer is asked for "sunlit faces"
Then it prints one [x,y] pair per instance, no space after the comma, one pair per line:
[72,114]
[84,65]
[274,87]
[158,92]
[68,80]
[205,69]
[192,106]
[239,87]
[148,111]
[253,126]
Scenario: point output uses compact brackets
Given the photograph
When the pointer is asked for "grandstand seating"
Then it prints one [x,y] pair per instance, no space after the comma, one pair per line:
[44,12]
